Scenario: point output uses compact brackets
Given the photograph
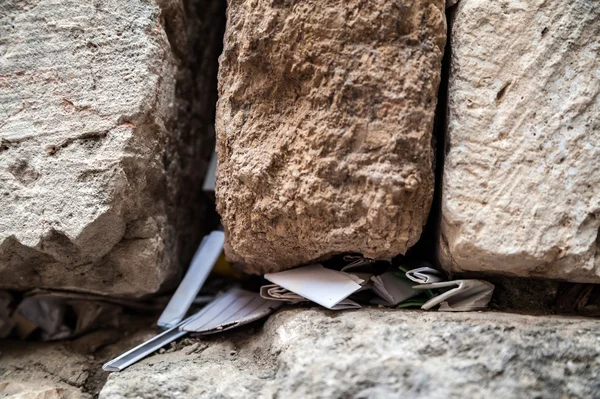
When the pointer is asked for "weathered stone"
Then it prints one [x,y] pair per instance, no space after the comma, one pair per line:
[521,192]
[324,127]
[40,389]
[66,369]
[376,353]
[96,143]
[42,372]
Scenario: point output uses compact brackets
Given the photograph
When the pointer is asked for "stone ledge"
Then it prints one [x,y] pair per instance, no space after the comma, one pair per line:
[378,353]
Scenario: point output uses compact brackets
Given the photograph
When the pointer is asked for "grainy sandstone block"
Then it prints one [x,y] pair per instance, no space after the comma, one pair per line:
[521,191]
[324,127]
[95,140]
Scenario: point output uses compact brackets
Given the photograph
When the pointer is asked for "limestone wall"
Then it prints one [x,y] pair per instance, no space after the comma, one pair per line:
[521,188]
[93,127]
[325,136]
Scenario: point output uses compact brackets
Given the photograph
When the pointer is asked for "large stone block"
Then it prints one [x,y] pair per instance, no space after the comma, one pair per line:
[324,127]
[95,139]
[377,353]
[521,192]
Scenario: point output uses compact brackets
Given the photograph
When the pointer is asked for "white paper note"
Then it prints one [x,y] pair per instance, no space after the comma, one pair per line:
[232,309]
[425,275]
[205,258]
[276,293]
[465,295]
[314,282]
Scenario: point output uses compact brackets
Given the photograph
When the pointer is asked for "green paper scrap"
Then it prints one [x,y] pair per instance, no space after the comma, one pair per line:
[418,301]
[411,303]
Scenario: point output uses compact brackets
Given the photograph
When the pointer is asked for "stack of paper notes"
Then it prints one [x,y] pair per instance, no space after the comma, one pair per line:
[338,290]
[358,282]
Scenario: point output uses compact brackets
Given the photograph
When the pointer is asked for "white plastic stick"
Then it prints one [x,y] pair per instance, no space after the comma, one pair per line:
[141,351]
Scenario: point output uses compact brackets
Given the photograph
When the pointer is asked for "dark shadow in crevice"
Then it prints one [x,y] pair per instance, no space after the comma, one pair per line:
[426,248]
[195,29]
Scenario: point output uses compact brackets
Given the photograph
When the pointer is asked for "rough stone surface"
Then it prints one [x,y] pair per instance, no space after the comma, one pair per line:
[95,140]
[376,353]
[521,191]
[324,127]
[68,369]
[42,372]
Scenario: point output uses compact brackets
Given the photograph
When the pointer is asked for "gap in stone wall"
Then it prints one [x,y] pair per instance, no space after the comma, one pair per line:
[426,248]
[528,295]
[198,49]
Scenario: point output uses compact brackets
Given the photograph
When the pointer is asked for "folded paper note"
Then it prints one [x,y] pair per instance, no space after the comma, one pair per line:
[364,267]
[392,289]
[314,282]
[202,263]
[357,262]
[276,293]
[464,295]
[232,309]
[424,275]
[58,317]
[346,304]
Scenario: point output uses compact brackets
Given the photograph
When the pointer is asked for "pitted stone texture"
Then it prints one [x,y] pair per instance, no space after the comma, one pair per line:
[69,369]
[375,353]
[87,111]
[324,127]
[521,192]
[42,371]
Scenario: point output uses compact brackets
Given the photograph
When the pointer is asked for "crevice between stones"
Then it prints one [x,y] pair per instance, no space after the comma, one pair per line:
[513,294]
[427,247]
[195,30]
